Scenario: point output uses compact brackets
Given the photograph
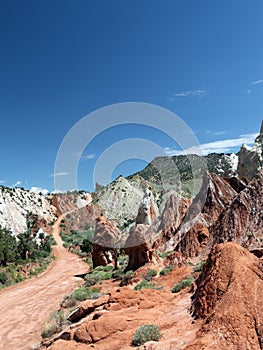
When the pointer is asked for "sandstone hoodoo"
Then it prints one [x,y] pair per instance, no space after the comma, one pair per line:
[229,300]
[148,210]
[138,247]
[106,238]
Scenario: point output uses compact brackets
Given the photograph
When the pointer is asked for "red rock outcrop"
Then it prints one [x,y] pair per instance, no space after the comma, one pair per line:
[106,239]
[229,300]
[193,236]
[242,219]
[172,216]
[138,247]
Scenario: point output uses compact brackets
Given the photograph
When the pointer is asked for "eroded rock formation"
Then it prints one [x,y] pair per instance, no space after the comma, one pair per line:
[229,300]
[148,210]
[242,220]
[106,239]
[138,247]
[215,194]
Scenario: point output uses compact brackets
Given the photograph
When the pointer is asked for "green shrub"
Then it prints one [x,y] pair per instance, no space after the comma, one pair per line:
[150,274]
[103,268]
[126,278]
[84,293]
[144,284]
[165,254]
[146,333]
[3,277]
[166,270]
[183,284]
[91,280]
[118,274]
[200,266]
[68,302]
[56,321]
[49,329]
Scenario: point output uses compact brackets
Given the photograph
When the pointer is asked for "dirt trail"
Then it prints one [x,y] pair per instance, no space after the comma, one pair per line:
[25,307]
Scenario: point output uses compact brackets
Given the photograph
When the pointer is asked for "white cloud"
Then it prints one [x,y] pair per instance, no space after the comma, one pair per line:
[17,183]
[198,93]
[248,91]
[256,82]
[2,181]
[62,173]
[38,190]
[88,156]
[216,133]
[222,146]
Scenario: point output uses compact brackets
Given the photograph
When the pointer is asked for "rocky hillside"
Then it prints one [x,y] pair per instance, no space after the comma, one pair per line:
[16,203]
[120,200]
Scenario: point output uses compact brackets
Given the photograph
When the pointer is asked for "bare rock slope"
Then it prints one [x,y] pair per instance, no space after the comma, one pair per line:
[228,300]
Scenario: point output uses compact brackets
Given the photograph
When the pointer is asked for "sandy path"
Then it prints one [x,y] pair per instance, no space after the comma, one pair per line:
[25,307]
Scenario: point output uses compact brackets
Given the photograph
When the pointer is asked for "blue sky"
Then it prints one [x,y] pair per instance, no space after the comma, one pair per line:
[61,60]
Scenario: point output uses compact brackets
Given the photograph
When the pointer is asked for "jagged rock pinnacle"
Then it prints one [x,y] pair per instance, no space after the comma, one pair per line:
[261,129]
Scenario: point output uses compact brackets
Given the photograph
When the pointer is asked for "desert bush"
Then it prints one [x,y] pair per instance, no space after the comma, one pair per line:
[126,278]
[3,277]
[103,268]
[84,293]
[144,284]
[147,332]
[56,321]
[199,267]
[166,270]
[164,255]
[91,280]
[183,284]
[68,301]
[49,329]
[150,274]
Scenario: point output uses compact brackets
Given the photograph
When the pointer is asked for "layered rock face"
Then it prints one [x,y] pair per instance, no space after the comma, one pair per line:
[106,239]
[17,203]
[229,300]
[250,159]
[172,216]
[193,235]
[242,220]
[120,200]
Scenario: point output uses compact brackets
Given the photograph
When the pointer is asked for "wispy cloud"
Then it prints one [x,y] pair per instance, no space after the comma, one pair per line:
[62,173]
[17,183]
[198,93]
[256,82]
[216,133]
[248,91]
[88,156]
[222,146]
[2,181]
